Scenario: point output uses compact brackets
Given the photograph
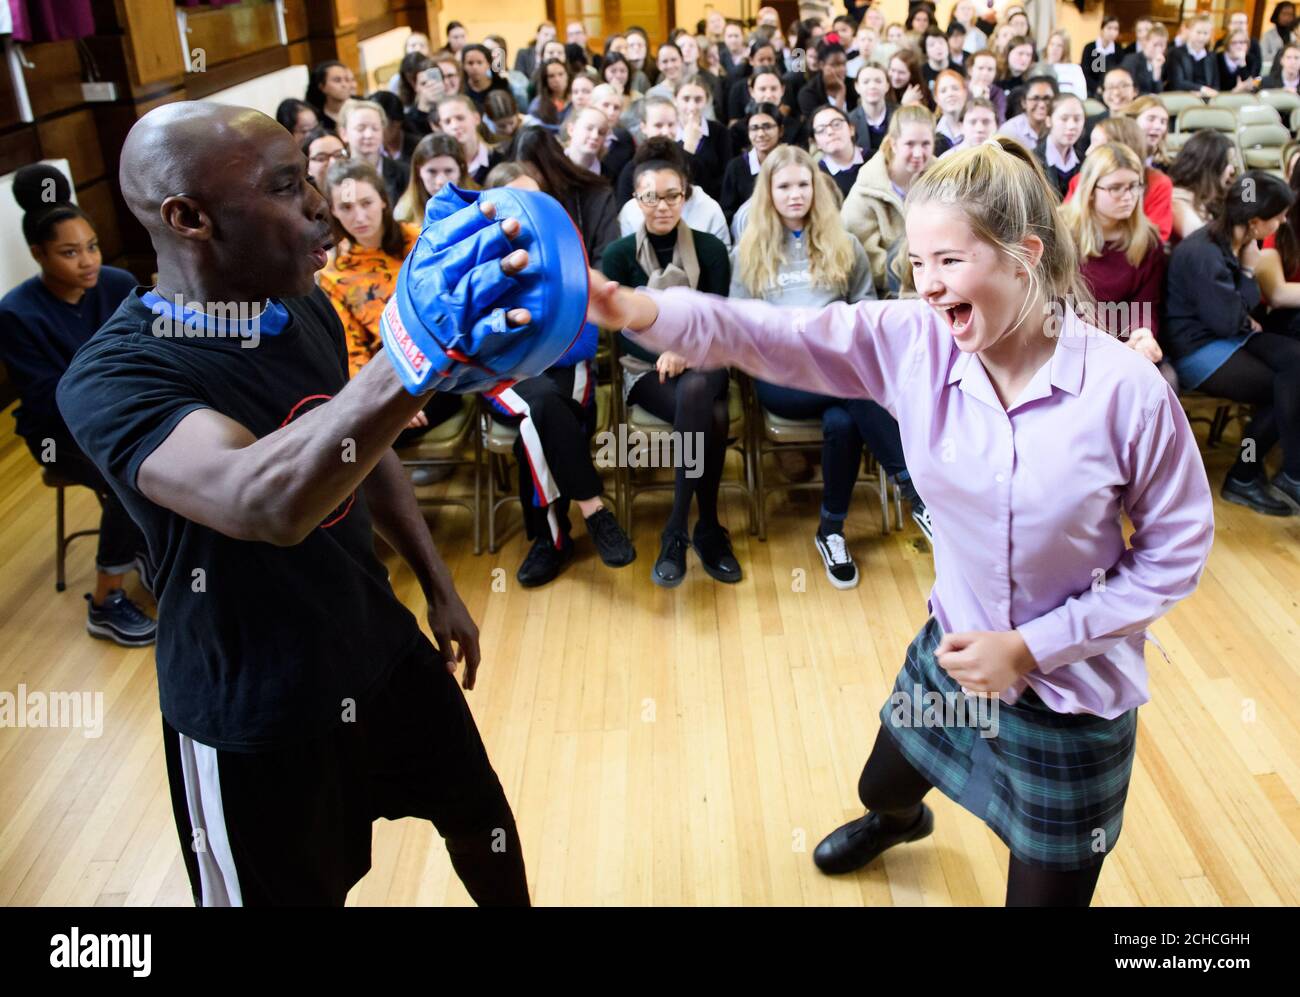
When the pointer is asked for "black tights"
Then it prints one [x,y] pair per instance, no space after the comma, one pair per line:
[1264,373]
[694,402]
[892,788]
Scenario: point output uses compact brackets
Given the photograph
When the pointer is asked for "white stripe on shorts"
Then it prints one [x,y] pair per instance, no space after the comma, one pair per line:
[218,879]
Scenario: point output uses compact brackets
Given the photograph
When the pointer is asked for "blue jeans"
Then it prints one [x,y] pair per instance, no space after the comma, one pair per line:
[846,425]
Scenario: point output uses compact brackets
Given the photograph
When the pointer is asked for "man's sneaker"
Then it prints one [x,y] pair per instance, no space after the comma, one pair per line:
[713,546]
[1256,494]
[612,544]
[120,620]
[840,568]
[670,568]
[543,562]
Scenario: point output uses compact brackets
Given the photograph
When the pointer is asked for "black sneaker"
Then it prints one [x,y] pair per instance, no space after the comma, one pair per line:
[120,620]
[859,842]
[146,573]
[1257,495]
[670,569]
[713,546]
[1288,488]
[612,544]
[840,568]
[543,562]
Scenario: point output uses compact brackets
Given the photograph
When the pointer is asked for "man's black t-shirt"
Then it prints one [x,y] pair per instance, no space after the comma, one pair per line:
[258,645]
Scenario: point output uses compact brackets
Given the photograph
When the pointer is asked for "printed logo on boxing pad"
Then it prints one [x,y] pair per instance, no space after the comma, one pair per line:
[408,353]
[302,407]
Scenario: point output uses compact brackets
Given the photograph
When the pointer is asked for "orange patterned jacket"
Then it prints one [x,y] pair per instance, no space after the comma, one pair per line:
[359,282]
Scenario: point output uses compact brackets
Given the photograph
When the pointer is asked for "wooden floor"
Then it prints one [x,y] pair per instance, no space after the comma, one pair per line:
[687,746]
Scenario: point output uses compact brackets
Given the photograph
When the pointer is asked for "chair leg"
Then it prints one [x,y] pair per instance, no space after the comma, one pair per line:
[60,544]
[478,493]
[1220,422]
[760,492]
[492,503]
[883,485]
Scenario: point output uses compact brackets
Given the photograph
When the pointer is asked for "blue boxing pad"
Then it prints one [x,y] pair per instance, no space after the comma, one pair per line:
[445,326]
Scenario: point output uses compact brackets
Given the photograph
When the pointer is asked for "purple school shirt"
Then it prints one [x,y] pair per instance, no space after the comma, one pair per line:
[1026,502]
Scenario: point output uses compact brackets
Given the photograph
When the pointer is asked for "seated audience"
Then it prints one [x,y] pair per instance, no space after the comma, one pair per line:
[1218,348]
[1193,66]
[666,252]
[437,161]
[796,253]
[1148,65]
[556,410]
[1121,257]
[43,322]
[764,128]
[1204,169]
[297,117]
[1158,193]
[1056,150]
[459,118]
[362,125]
[873,209]
[838,156]
[870,119]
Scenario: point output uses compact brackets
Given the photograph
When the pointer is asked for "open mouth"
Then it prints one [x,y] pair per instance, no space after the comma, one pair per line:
[959,317]
[321,254]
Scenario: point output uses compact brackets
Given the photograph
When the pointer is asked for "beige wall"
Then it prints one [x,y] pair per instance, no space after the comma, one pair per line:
[516,20]
[1081,26]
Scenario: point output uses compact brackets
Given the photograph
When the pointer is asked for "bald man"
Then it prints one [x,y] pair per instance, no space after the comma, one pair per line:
[300,698]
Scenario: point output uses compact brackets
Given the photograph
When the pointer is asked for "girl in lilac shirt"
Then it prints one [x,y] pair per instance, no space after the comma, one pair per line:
[1030,435]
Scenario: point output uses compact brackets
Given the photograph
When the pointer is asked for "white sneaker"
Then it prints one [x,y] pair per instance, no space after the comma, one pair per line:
[840,568]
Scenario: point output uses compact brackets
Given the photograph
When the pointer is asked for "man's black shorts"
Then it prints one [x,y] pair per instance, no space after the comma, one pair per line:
[292,825]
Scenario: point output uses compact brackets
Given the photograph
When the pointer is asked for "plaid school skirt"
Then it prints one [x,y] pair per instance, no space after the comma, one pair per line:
[1051,785]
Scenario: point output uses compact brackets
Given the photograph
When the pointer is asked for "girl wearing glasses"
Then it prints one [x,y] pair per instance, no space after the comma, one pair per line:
[1121,258]
[323,149]
[666,252]
[840,159]
[764,130]
[1158,191]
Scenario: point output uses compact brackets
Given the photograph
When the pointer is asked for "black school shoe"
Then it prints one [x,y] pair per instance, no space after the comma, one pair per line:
[120,620]
[1257,495]
[861,841]
[1288,487]
[670,568]
[612,544]
[543,562]
[713,546]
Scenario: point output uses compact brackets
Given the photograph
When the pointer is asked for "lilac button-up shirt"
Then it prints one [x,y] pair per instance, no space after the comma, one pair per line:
[1026,502]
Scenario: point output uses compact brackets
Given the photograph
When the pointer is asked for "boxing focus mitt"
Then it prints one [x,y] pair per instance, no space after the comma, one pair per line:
[445,326]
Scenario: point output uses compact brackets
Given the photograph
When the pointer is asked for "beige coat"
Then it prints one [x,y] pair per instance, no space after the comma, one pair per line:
[874,214]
